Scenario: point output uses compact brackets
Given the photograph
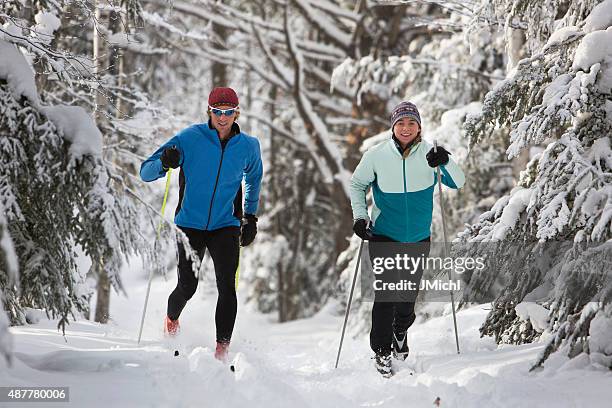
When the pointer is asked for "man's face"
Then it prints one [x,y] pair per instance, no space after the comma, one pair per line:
[406,130]
[223,123]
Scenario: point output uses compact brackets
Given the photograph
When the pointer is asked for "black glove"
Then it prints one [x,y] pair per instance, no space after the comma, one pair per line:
[170,158]
[439,158]
[248,229]
[360,227]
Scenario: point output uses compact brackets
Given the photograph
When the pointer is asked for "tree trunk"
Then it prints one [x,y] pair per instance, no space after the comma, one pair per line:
[116,64]
[276,222]
[103,300]
[219,71]
[100,55]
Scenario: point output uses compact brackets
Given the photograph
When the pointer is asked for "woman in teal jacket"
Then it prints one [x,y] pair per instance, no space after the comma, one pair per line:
[401,173]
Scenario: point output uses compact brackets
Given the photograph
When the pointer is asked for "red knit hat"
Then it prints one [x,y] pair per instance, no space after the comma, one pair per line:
[223,96]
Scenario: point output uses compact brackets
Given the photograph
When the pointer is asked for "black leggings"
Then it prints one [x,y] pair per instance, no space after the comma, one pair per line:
[388,316]
[224,248]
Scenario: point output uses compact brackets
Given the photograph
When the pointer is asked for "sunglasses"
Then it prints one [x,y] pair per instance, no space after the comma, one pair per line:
[219,112]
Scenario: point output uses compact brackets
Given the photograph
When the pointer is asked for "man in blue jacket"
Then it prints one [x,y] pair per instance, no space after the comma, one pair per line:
[401,172]
[214,158]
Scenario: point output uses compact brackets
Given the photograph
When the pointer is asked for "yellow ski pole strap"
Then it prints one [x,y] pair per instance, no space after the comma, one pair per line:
[163,209]
[238,268]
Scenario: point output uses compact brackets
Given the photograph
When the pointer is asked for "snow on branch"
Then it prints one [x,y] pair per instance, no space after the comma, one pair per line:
[58,61]
[156,20]
[282,71]
[74,122]
[331,166]
[324,24]
[332,8]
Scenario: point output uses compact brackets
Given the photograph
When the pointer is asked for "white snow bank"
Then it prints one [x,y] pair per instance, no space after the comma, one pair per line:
[534,313]
[288,364]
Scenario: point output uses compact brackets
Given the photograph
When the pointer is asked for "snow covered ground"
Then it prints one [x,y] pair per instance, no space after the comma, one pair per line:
[284,365]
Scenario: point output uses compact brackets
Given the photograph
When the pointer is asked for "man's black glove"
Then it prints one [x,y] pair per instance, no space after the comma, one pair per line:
[360,227]
[170,158]
[439,158]
[248,229]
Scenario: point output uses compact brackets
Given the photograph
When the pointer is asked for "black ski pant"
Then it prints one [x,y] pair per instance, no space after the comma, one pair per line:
[390,317]
[224,248]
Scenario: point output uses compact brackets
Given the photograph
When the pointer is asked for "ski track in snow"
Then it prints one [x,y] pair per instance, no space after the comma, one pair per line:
[285,365]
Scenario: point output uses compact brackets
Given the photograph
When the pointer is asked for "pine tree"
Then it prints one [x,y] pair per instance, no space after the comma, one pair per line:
[59,186]
[9,268]
[551,234]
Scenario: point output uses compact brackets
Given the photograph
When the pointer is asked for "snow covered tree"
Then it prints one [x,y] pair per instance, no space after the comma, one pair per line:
[57,193]
[552,233]
[60,188]
[8,268]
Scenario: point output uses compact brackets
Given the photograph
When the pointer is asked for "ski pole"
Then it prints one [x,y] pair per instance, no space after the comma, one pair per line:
[238,269]
[446,251]
[144,312]
[348,306]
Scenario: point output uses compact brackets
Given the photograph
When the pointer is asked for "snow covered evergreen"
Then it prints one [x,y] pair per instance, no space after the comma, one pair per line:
[9,267]
[56,194]
[558,98]
[66,188]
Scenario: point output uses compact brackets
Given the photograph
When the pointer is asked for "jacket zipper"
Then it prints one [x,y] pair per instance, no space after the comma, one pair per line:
[405,187]
[212,199]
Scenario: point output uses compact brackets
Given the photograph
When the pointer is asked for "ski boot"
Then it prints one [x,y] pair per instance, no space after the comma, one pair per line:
[382,362]
[171,327]
[222,351]
[400,346]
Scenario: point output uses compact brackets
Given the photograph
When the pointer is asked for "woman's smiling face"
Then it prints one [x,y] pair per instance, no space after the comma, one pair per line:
[406,130]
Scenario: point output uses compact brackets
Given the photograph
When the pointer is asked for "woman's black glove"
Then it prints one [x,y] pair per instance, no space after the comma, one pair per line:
[439,158]
[360,227]
[170,158]
[248,229]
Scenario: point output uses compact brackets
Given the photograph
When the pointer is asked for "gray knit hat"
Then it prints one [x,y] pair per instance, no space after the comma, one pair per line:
[405,110]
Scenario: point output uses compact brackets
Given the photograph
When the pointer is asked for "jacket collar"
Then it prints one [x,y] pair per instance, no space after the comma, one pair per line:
[404,152]
[233,132]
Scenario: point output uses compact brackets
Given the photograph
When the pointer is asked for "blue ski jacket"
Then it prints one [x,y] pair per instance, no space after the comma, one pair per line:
[402,189]
[211,176]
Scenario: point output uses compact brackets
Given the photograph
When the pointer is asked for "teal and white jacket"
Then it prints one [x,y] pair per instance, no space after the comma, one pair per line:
[402,189]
